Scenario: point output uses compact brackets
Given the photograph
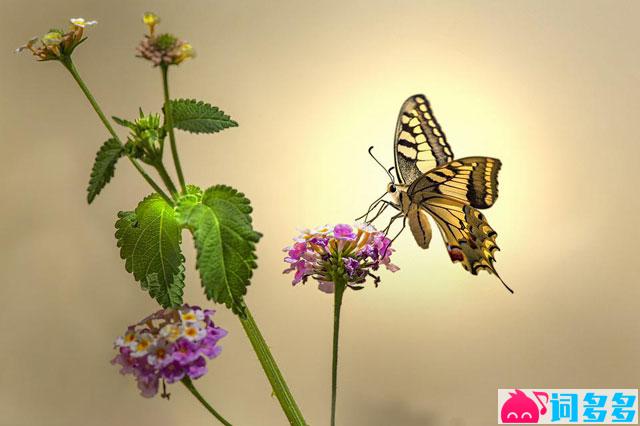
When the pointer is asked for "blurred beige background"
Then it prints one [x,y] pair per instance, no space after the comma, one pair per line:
[551,88]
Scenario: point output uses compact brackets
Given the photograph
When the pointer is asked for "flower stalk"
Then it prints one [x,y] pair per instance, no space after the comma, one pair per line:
[270,367]
[340,287]
[69,65]
[169,124]
[189,385]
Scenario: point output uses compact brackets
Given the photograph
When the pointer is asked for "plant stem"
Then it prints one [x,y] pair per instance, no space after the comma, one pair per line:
[162,171]
[280,388]
[189,385]
[337,304]
[169,122]
[68,64]
[74,72]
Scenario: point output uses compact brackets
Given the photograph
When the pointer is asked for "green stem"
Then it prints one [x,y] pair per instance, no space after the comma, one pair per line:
[189,385]
[151,182]
[68,64]
[169,122]
[162,171]
[280,388]
[74,72]
[337,304]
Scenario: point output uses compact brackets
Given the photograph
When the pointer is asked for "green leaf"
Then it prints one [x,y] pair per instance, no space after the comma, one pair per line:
[166,296]
[225,240]
[123,122]
[149,240]
[199,117]
[103,167]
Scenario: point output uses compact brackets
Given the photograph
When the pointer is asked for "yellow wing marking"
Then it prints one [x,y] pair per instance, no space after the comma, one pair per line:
[418,131]
[468,236]
[471,180]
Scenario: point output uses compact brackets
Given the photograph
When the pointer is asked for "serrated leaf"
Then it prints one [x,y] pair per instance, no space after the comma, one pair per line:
[166,296]
[103,167]
[149,240]
[225,241]
[237,199]
[198,117]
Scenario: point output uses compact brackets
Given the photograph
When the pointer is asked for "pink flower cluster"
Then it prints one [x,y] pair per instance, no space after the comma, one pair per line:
[339,252]
[168,345]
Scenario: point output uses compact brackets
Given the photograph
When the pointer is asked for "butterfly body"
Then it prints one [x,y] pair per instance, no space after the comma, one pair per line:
[430,182]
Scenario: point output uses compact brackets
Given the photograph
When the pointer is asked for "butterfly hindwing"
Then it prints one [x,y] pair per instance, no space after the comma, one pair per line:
[471,180]
[420,144]
[419,225]
[468,236]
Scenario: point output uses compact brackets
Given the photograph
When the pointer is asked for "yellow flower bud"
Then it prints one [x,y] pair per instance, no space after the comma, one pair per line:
[186,52]
[52,38]
[150,19]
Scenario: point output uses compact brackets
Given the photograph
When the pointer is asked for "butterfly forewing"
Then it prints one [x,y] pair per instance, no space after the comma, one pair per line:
[420,144]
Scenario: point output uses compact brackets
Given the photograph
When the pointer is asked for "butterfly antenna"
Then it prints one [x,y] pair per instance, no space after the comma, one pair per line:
[380,164]
[503,283]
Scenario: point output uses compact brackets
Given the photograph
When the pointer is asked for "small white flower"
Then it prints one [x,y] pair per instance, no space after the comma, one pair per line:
[141,345]
[194,333]
[365,227]
[158,354]
[127,340]
[171,332]
[307,233]
[82,23]
[191,315]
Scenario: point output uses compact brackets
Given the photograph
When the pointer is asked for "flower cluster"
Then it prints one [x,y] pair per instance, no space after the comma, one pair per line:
[168,345]
[146,137]
[57,44]
[341,252]
[163,49]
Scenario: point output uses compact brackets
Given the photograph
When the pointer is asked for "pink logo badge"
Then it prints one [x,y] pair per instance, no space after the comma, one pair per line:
[519,408]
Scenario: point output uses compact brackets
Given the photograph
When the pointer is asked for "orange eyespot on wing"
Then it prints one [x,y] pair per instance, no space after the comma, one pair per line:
[468,236]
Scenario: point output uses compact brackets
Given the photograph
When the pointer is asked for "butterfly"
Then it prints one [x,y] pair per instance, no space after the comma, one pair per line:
[430,182]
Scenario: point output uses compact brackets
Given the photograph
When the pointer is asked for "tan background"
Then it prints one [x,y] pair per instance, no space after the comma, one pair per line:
[551,88]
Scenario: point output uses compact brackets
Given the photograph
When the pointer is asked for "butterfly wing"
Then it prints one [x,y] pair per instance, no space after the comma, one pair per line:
[471,180]
[420,144]
[468,236]
[419,225]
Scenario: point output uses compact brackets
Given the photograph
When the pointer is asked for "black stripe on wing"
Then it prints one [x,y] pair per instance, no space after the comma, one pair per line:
[471,180]
[420,144]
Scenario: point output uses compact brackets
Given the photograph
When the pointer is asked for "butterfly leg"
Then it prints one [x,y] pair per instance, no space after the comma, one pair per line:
[380,211]
[404,225]
[385,204]
[371,207]
[393,219]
